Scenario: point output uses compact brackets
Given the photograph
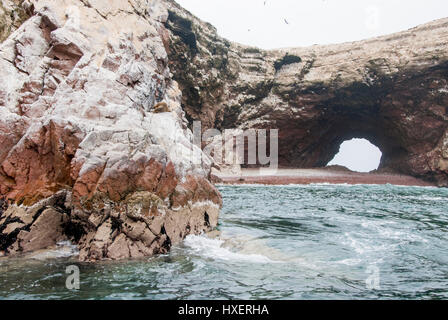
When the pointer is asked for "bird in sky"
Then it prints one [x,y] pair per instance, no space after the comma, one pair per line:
[286,21]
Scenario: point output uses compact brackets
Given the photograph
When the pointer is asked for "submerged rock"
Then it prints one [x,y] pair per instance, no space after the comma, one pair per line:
[83,158]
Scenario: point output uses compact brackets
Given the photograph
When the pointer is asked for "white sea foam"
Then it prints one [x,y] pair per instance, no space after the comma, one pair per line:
[424,198]
[350,262]
[225,250]
[365,246]
[389,230]
[64,249]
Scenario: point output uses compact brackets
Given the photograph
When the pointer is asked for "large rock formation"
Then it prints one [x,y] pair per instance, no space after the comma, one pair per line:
[82,154]
[392,90]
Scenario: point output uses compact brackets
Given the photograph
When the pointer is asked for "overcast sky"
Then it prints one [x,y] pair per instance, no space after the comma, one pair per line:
[272,24]
[262,22]
[358,155]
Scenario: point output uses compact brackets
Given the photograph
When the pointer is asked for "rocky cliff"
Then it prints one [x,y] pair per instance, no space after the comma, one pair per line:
[391,90]
[84,155]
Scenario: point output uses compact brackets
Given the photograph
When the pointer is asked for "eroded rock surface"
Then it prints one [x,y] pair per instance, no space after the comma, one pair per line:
[392,90]
[83,156]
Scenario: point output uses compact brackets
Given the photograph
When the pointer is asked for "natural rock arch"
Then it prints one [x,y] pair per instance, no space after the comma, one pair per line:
[391,90]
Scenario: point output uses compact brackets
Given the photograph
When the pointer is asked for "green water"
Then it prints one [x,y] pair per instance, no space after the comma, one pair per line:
[289,242]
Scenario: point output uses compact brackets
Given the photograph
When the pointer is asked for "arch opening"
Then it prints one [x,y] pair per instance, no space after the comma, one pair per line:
[358,155]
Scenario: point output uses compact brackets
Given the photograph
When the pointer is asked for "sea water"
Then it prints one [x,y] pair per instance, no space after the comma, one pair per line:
[277,242]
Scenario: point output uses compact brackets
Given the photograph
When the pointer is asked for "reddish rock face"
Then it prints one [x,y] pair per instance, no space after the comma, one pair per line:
[391,90]
[40,165]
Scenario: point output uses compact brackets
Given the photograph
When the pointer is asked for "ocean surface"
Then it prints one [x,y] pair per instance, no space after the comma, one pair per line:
[278,242]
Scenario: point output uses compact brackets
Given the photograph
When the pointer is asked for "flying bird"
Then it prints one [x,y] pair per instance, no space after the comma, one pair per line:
[286,21]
